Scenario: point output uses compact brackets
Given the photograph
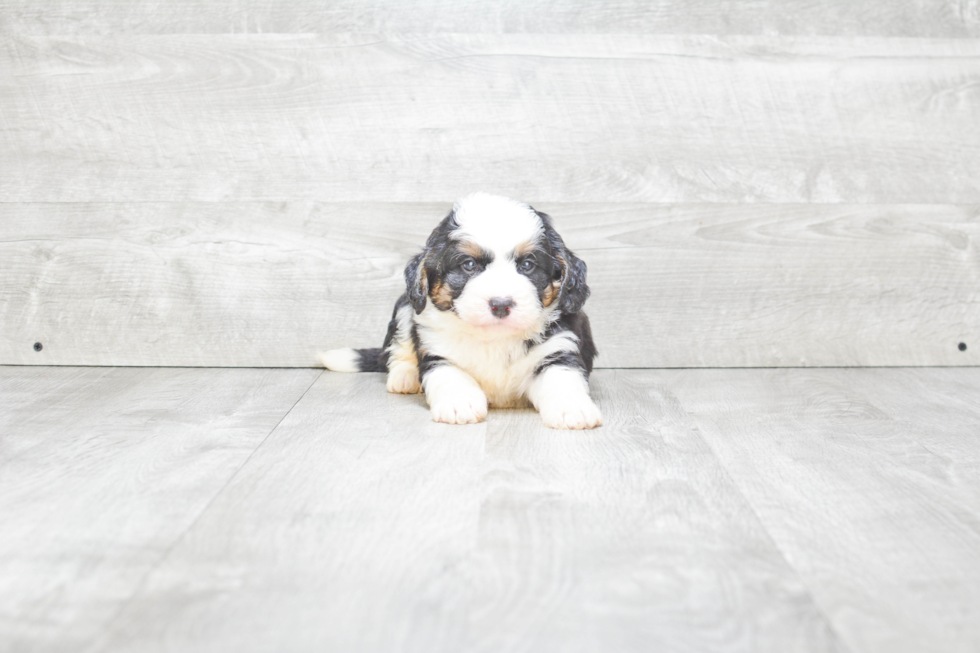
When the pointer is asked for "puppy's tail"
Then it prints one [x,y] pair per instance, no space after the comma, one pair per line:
[353,360]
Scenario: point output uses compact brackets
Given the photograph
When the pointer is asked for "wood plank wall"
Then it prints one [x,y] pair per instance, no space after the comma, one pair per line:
[240,183]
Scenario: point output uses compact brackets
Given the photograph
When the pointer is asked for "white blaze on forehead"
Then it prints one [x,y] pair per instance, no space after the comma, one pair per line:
[497,224]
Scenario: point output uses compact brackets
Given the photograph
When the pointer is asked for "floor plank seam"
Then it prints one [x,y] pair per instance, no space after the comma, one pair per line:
[111,622]
[841,642]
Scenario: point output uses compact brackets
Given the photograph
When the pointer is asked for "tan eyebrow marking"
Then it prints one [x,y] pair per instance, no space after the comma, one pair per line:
[471,249]
[524,248]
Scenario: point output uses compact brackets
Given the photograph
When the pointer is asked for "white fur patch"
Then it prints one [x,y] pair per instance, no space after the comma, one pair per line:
[339,360]
[503,366]
[500,280]
[561,395]
[403,377]
[489,360]
[453,396]
[497,224]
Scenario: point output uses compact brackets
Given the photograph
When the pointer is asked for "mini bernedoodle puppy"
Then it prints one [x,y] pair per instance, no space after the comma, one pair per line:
[492,316]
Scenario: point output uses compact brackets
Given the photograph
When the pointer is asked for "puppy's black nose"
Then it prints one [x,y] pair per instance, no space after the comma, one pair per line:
[500,306]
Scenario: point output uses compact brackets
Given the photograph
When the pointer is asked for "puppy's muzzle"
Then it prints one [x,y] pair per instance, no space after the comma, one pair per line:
[500,306]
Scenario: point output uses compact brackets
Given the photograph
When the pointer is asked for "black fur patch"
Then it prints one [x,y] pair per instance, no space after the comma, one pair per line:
[446,274]
[417,287]
[426,361]
[438,275]
[561,358]
[421,272]
[370,360]
[573,271]
[545,271]
[440,269]
[577,323]
[392,331]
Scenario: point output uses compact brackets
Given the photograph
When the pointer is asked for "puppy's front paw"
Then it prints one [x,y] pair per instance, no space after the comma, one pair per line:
[404,381]
[582,414]
[464,406]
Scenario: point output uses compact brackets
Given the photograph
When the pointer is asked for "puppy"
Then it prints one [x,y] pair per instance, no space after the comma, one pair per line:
[492,316]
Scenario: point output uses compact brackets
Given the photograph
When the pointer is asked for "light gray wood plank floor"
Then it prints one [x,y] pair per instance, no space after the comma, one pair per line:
[868,482]
[729,510]
[102,471]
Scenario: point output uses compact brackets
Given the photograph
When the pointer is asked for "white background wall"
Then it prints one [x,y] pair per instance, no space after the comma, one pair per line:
[241,183]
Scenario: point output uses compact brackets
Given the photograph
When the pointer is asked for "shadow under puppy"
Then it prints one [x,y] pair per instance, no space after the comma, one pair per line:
[492,316]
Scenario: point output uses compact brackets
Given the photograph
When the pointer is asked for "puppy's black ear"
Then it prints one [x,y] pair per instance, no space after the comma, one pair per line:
[570,273]
[416,274]
[574,290]
[416,282]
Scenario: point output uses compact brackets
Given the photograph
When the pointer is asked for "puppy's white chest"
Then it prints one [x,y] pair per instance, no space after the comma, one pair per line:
[496,366]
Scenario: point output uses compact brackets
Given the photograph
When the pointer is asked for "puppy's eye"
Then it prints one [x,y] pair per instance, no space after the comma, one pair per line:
[469,265]
[527,265]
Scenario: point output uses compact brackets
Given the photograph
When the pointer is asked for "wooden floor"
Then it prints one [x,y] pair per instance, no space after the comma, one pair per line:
[152,509]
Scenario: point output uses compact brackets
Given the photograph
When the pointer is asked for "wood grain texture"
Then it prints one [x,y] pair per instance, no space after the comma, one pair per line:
[938,407]
[102,471]
[867,481]
[716,510]
[360,525]
[628,538]
[549,117]
[267,284]
[346,535]
[936,18]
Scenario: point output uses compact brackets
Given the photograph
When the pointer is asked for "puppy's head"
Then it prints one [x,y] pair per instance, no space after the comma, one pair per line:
[499,265]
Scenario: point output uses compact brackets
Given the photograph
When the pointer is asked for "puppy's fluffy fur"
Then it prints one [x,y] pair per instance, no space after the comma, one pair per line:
[493,316]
